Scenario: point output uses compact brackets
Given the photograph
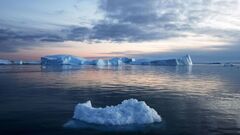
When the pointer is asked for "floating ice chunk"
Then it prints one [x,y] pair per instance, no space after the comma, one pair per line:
[5,62]
[129,111]
[62,60]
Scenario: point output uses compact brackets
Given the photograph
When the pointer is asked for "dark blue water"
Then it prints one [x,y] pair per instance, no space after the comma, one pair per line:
[196,100]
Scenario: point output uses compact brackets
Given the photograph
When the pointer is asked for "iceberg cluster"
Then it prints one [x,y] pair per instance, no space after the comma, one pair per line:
[129,111]
[73,60]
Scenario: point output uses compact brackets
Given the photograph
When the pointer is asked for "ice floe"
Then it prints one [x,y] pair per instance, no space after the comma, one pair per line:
[130,111]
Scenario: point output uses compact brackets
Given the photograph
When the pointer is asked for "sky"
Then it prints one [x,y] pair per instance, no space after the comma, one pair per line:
[208,30]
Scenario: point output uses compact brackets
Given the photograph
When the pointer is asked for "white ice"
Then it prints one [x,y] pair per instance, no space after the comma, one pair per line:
[73,60]
[129,111]
[62,60]
[185,61]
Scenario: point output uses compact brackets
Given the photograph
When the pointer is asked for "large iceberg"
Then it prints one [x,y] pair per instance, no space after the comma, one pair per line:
[73,60]
[129,111]
[62,60]
[5,62]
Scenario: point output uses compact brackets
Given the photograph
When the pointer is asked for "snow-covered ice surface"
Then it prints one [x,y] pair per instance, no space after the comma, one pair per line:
[129,111]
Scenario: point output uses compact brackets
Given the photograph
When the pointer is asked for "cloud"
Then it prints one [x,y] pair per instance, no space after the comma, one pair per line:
[155,18]
[141,20]
[77,33]
[11,40]
[124,53]
[148,20]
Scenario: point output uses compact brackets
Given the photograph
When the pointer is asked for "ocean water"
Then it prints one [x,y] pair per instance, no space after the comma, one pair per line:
[197,100]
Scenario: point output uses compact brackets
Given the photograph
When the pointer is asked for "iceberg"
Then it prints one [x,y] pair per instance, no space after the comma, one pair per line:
[18,62]
[232,65]
[170,62]
[140,62]
[130,111]
[5,62]
[228,65]
[112,62]
[27,62]
[101,62]
[62,60]
[115,62]
[184,61]
[73,60]
[31,63]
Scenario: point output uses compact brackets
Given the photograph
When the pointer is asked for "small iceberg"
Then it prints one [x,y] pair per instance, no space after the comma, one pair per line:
[5,62]
[130,111]
[228,65]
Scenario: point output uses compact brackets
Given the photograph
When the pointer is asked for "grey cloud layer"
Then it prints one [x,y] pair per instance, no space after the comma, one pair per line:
[137,20]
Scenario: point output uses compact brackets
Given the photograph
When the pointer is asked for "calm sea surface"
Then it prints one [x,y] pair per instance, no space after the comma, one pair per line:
[201,100]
